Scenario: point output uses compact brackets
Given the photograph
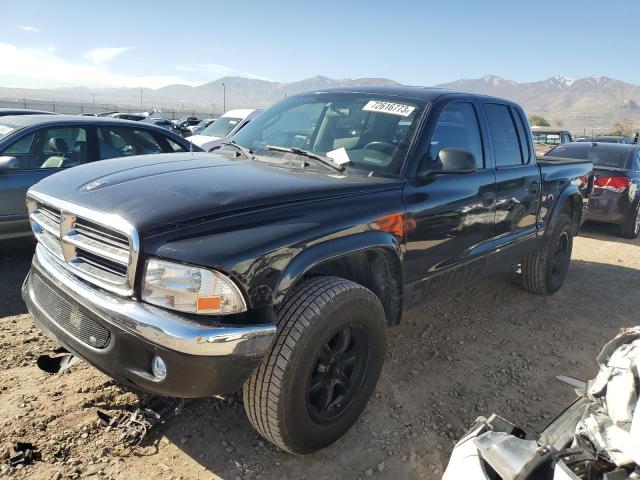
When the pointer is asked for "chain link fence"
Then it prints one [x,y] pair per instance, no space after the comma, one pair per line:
[170,112]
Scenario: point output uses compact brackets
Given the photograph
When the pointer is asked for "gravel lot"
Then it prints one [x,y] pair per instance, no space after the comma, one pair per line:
[488,348]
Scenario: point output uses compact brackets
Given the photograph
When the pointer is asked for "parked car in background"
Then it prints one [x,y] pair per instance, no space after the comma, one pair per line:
[106,114]
[136,117]
[616,193]
[196,129]
[4,112]
[33,147]
[545,138]
[160,122]
[181,126]
[224,127]
[607,139]
[276,264]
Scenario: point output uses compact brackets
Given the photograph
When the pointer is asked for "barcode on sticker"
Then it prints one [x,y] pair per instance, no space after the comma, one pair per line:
[388,107]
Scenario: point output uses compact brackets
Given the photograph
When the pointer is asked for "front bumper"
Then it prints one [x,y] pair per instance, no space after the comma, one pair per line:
[120,336]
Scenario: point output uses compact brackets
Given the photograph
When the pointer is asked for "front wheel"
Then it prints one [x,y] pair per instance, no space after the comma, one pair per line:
[544,270]
[323,367]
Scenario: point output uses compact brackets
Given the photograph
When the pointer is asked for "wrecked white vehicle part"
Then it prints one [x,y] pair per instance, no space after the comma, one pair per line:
[596,438]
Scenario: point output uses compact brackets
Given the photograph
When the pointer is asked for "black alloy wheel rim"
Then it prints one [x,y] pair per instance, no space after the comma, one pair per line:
[561,256]
[338,373]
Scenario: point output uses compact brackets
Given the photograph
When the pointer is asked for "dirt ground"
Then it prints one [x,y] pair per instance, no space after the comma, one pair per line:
[488,348]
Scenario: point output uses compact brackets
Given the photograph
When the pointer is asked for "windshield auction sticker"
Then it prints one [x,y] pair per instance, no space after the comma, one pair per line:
[388,107]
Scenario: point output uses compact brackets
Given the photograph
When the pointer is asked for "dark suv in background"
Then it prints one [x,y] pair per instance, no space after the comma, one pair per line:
[33,147]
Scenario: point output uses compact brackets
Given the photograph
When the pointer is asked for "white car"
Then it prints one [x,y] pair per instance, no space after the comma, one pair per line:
[224,127]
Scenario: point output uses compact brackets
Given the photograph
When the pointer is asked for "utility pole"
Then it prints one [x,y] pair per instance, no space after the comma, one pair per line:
[93,101]
[224,98]
[213,112]
[140,98]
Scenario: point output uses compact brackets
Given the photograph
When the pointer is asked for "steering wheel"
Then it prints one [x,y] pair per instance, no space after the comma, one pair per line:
[380,146]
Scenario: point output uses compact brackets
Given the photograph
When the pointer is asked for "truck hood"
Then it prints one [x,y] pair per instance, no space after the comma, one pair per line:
[157,192]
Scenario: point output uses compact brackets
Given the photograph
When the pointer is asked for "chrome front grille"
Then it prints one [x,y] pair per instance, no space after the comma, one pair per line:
[100,248]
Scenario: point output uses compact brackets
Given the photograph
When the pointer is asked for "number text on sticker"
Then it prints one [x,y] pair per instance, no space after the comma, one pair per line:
[388,107]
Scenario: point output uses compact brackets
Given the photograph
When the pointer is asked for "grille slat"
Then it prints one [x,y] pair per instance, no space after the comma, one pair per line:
[68,316]
[80,237]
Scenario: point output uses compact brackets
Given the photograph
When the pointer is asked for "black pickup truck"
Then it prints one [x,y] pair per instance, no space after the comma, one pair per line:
[276,264]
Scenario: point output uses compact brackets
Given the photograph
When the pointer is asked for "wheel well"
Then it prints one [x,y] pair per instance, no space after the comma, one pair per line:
[377,270]
[572,208]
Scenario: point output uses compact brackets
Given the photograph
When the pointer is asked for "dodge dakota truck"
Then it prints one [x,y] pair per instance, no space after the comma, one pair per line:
[276,264]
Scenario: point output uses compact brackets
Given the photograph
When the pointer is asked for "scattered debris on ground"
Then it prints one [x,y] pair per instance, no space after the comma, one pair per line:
[596,438]
[488,348]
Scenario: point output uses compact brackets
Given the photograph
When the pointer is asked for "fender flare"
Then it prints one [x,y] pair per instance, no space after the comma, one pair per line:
[330,250]
[569,193]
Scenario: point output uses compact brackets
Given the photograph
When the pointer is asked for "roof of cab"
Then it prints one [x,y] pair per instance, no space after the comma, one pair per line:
[419,93]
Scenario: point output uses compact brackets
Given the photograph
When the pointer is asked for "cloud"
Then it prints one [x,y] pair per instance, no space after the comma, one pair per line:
[43,68]
[28,28]
[103,55]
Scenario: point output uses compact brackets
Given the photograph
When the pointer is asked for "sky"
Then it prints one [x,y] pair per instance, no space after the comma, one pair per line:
[142,43]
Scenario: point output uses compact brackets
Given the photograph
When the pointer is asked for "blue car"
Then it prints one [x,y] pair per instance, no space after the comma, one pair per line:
[33,147]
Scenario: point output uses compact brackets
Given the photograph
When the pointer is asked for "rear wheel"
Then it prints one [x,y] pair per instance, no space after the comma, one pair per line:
[631,227]
[322,368]
[544,271]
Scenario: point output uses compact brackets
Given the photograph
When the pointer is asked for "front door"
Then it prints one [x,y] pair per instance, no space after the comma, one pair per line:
[449,216]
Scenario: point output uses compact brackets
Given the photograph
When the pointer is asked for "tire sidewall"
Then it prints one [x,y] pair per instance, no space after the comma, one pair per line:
[353,308]
[553,284]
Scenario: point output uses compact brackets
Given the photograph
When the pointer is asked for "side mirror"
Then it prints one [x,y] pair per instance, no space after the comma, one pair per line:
[454,162]
[8,163]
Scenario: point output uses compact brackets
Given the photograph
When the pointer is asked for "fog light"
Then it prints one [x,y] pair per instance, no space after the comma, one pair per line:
[158,368]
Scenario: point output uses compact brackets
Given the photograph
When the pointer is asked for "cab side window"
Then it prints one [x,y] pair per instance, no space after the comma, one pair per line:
[124,142]
[506,144]
[63,147]
[22,150]
[457,128]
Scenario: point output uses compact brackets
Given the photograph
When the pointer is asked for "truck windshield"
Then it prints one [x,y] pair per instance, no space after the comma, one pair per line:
[365,131]
[548,138]
[221,127]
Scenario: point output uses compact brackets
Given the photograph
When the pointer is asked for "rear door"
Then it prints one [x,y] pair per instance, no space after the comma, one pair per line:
[517,174]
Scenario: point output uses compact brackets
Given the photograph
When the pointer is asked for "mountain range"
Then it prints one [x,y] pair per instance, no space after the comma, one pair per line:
[591,103]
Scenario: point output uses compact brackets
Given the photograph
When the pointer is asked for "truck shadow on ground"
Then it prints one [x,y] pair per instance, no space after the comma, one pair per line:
[509,344]
[15,260]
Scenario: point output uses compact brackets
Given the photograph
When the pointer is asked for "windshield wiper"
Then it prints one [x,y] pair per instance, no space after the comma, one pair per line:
[244,151]
[305,153]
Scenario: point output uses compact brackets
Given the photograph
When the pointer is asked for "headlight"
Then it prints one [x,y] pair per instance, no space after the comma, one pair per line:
[190,289]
